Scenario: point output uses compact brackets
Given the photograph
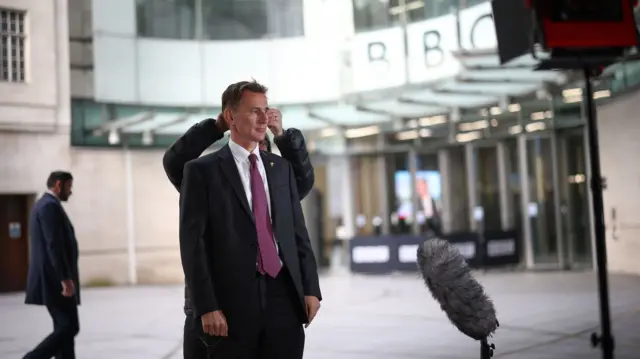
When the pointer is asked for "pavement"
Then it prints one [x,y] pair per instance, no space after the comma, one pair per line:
[542,315]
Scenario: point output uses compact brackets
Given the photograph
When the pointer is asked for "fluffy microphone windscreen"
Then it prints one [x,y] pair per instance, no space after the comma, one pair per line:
[460,295]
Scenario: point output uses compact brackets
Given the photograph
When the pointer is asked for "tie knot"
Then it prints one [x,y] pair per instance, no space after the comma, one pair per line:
[253,158]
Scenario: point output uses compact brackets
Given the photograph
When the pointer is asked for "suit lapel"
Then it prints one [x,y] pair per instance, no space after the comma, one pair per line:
[271,173]
[230,170]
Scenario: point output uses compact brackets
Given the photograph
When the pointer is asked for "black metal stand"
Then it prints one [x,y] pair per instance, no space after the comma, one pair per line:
[486,349]
[605,339]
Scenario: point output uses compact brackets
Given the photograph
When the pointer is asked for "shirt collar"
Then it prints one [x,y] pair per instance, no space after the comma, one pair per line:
[53,194]
[240,153]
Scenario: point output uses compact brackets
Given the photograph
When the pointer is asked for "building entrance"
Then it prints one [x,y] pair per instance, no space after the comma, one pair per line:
[14,242]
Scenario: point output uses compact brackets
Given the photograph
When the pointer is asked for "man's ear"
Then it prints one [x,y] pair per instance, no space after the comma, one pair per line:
[228,117]
[58,186]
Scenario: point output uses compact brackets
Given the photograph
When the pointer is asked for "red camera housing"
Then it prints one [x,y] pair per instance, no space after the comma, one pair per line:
[583,35]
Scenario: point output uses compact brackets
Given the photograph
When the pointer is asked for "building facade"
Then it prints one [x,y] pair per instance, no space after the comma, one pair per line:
[101,87]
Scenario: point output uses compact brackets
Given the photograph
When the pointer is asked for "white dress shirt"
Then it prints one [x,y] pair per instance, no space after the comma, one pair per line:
[241,157]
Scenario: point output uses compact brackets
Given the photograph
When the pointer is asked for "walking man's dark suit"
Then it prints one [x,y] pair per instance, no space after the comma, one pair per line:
[190,146]
[245,250]
[53,269]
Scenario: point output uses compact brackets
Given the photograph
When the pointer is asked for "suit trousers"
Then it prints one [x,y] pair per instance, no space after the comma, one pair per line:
[193,346]
[60,344]
[277,333]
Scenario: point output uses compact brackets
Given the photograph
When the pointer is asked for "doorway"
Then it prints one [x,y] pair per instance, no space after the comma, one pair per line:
[542,207]
[14,242]
[575,199]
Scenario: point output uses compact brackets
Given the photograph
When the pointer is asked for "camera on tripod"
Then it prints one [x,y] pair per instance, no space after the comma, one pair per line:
[575,34]
[572,32]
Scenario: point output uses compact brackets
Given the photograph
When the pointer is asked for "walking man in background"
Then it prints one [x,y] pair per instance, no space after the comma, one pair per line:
[190,146]
[53,269]
[245,250]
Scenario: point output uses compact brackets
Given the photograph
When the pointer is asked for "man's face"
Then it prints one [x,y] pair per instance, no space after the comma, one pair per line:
[249,119]
[63,190]
[263,145]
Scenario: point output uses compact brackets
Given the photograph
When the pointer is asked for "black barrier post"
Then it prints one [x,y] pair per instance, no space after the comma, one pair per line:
[605,339]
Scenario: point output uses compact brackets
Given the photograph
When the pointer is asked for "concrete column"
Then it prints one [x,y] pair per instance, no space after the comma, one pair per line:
[525,198]
[413,168]
[470,160]
[381,173]
[557,200]
[454,189]
[506,199]
[340,196]
[444,167]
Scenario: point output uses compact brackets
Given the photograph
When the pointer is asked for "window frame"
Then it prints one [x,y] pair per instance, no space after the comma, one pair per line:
[13,67]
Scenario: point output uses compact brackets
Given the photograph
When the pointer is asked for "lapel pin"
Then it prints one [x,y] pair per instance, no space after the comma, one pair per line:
[271,164]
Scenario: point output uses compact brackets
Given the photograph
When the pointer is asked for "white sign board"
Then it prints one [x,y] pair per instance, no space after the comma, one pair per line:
[370,254]
[378,58]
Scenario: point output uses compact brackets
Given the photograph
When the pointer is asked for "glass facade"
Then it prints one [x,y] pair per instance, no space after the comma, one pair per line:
[375,14]
[520,165]
[532,183]
[167,19]
[90,121]
[220,19]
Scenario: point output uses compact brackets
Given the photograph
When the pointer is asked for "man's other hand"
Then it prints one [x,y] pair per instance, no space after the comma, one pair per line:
[68,288]
[313,305]
[221,124]
[214,323]
[274,117]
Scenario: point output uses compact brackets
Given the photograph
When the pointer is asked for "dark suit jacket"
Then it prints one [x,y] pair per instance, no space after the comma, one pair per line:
[200,136]
[53,253]
[218,240]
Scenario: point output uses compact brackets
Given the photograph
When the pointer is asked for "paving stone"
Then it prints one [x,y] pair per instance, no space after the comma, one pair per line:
[542,316]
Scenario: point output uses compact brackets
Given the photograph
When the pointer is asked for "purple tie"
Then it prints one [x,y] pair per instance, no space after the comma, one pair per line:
[268,260]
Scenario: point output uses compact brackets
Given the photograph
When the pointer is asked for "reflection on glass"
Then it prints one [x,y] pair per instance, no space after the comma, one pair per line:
[367,201]
[464,4]
[580,234]
[221,19]
[541,207]
[488,187]
[168,19]
[514,184]
[376,14]
[252,19]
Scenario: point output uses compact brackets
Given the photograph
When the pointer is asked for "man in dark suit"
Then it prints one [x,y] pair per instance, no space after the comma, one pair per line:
[190,146]
[53,268]
[245,249]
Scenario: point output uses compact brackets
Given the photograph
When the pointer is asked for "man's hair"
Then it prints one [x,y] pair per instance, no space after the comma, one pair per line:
[56,176]
[232,95]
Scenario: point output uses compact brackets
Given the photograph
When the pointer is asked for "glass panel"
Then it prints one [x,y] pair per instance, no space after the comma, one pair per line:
[578,200]
[541,207]
[429,191]
[168,19]
[459,201]
[514,185]
[366,195]
[375,14]
[488,187]
[469,3]
[252,19]
[399,192]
